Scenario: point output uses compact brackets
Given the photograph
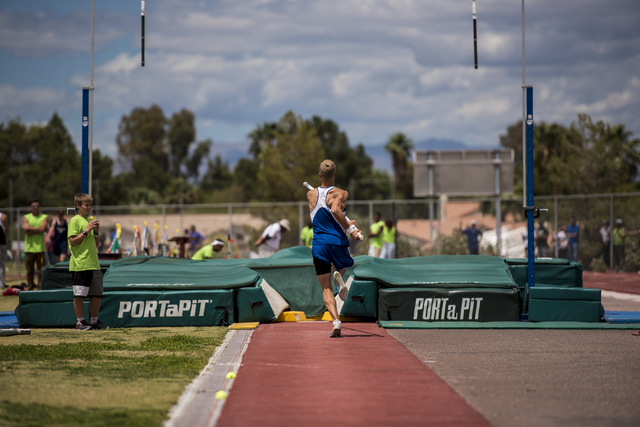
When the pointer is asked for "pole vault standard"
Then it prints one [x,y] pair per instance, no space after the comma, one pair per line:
[142,17]
[475,36]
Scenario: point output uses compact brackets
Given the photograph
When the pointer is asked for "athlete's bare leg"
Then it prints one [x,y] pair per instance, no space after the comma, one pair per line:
[327,295]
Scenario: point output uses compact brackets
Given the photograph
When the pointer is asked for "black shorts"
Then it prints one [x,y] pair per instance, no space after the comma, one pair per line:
[322,266]
[87,283]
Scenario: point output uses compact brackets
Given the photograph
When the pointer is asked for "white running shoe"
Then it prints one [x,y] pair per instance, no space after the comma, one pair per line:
[343,291]
[337,329]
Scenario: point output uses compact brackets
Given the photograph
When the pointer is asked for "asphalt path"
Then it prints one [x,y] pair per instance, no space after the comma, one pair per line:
[540,377]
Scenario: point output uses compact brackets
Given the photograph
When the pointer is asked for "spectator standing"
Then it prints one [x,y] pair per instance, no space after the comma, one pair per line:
[84,237]
[562,241]
[306,235]
[474,236]
[4,231]
[375,236]
[618,236]
[542,240]
[35,225]
[269,242]
[605,236]
[389,235]
[196,239]
[573,232]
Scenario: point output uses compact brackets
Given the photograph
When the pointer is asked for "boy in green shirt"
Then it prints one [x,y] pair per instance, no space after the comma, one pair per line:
[375,236]
[87,277]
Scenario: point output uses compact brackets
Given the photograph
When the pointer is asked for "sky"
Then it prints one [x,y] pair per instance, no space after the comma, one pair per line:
[375,67]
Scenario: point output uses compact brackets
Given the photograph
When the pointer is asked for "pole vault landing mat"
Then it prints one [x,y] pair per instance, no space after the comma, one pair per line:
[293,374]
[409,324]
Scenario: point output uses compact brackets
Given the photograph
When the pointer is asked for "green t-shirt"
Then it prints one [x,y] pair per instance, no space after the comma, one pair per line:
[376,242]
[35,242]
[306,235]
[84,256]
[389,236]
[206,252]
[618,236]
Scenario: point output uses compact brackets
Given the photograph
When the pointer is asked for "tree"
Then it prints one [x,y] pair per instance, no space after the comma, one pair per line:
[262,136]
[584,158]
[180,135]
[400,148]
[142,134]
[218,175]
[293,159]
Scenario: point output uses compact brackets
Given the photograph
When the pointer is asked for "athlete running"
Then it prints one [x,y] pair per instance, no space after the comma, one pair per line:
[331,227]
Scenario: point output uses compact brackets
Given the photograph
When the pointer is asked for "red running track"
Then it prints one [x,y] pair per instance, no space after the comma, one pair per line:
[293,374]
[617,282]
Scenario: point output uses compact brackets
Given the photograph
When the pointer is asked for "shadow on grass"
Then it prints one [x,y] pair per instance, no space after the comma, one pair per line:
[36,415]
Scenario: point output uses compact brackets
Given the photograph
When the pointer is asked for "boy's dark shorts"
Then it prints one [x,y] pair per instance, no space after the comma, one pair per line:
[87,283]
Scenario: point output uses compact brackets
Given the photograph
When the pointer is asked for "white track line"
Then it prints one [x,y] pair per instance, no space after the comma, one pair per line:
[621,295]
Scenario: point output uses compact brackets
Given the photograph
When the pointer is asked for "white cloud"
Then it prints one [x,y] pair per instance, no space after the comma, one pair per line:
[373,66]
[40,98]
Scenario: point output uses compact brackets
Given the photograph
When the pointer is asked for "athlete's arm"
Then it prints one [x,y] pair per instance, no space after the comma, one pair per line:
[337,201]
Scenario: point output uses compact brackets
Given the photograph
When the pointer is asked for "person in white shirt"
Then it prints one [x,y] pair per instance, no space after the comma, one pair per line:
[269,242]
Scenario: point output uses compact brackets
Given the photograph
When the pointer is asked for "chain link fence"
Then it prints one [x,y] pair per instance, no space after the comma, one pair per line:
[425,227]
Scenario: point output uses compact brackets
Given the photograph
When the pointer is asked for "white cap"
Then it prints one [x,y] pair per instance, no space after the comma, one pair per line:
[217,242]
[619,221]
[284,223]
[473,222]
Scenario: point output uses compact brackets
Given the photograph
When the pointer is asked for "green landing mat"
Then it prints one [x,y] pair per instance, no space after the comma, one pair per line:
[392,324]
[438,271]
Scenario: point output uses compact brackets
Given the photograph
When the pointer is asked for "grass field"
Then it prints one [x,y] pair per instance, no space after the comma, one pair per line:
[115,377]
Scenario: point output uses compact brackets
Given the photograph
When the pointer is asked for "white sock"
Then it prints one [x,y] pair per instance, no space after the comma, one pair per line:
[80,319]
[94,320]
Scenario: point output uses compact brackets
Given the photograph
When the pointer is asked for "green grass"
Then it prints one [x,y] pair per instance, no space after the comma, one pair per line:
[123,377]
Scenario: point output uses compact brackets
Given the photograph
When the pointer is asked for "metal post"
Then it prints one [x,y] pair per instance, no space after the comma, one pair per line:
[524,115]
[181,208]
[555,223]
[430,172]
[230,235]
[11,218]
[84,187]
[439,222]
[529,182]
[611,232]
[18,225]
[93,16]
[164,215]
[370,214]
[497,163]
[475,37]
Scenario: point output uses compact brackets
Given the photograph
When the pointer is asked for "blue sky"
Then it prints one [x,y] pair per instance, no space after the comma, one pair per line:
[374,67]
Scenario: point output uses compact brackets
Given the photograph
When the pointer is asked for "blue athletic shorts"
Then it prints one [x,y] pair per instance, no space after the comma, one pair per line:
[333,254]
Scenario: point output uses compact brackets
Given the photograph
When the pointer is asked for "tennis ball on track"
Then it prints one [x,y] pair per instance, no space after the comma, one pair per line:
[231,375]
[221,394]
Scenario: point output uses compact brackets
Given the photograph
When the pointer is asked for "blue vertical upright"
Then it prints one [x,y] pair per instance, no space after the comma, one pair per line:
[84,187]
[530,211]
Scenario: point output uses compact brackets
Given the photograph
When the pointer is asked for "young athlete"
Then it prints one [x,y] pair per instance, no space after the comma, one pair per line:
[87,277]
[327,205]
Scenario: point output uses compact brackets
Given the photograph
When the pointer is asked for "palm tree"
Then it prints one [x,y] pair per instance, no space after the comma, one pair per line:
[400,148]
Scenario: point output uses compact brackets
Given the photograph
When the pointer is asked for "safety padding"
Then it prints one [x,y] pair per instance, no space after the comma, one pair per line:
[550,272]
[564,305]
[53,295]
[453,305]
[130,309]
[253,305]
[58,276]
[362,300]
[582,294]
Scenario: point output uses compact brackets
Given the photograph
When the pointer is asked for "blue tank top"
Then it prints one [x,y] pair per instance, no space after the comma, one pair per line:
[60,232]
[326,230]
